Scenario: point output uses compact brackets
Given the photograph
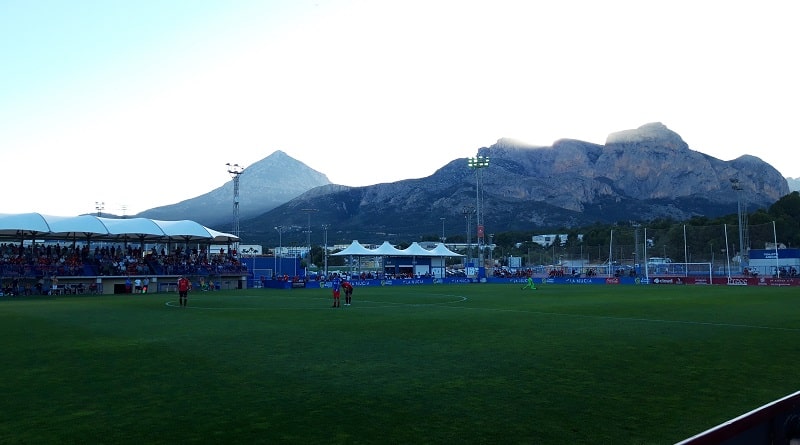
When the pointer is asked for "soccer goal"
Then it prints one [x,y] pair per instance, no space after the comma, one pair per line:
[681,270]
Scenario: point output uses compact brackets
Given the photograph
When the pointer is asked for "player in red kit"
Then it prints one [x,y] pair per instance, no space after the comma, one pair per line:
[348,292]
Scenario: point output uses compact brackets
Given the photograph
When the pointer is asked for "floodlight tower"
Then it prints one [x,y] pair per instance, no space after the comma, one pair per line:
[478,163]
[325,252]
[280,247]
[235,170]
[99,206]
[744,248]
[468,212]
[308,231]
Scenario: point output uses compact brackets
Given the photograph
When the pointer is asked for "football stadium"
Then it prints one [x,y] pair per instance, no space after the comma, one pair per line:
[675,357]
[471,363]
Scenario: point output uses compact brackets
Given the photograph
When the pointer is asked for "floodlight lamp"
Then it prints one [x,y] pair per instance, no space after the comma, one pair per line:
[478,162]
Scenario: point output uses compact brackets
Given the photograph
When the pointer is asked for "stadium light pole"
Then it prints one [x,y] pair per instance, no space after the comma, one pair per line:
[491,248]
[478,163]
[468,212]
[325,252]
[443,238]
[235,170]
[308,231]
[280,246]
[743,258]
[99,206]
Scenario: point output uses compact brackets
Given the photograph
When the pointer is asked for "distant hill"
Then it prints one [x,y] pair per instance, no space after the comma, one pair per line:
[268,183]
[794,184]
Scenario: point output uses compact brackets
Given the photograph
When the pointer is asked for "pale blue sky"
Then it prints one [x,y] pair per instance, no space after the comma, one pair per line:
[141,103]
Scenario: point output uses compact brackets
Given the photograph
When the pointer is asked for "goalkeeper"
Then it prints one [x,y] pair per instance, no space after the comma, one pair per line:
[529,284]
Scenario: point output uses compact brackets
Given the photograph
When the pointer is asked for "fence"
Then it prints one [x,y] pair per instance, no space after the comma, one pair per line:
[629,249]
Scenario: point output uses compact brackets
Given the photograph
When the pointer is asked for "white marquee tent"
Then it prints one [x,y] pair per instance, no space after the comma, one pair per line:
[436,255]
[354,249]
[386,249]
[36,226]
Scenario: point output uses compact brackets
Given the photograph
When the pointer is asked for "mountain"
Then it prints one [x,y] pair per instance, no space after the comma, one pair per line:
[639,174]
[268,183]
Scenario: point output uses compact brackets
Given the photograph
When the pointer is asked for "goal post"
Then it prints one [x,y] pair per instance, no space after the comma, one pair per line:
[704,270]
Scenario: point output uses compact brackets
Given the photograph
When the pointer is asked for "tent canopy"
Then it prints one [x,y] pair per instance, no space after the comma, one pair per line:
[415,250]
[442,250]
[35,225]
[386,249]
[355,248]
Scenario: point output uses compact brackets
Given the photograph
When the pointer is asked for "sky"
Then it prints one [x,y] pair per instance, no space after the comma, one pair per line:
[133,104]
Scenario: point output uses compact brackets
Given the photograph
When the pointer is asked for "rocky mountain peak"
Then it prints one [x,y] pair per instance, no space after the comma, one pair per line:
[652,134]
[264,185]
[639,174]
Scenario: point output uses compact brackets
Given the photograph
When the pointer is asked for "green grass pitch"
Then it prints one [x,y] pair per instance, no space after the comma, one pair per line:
[469,364]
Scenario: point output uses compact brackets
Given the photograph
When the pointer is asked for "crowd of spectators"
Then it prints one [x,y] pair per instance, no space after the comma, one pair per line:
[46,260]
[500,272]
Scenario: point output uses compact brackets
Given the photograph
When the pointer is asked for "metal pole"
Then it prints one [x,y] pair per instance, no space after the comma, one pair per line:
[280,246]
[308,232]
[468,211]
[743,260]
[727,254]
[325,252]
[235,170]
[478,163]
[775,240]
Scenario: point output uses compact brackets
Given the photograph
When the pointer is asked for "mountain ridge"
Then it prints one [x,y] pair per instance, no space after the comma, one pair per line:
[262,193]
[639,174]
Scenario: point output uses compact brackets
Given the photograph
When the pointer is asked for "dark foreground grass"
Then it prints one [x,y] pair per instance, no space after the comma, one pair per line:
[405,365]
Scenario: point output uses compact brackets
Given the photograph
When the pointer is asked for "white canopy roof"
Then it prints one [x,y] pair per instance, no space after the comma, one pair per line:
[23,224]
[135,227]
[386,249]
[35,225]
[442,250]
[415,250]
[356,249]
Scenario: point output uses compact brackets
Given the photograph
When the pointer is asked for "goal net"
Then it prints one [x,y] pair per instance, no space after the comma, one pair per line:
[703,270]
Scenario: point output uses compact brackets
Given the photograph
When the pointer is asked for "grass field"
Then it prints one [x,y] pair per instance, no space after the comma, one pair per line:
[463,364]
